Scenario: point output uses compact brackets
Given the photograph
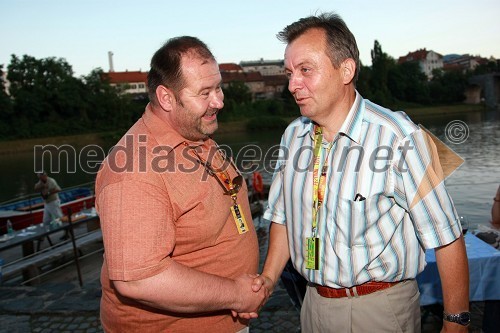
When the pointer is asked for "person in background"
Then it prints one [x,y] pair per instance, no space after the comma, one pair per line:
[49,189]
[180,249]
[495,210]
[357,196]
[491,318]
[491,234]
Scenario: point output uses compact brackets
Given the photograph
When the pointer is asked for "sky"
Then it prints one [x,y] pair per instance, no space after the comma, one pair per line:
[82,32]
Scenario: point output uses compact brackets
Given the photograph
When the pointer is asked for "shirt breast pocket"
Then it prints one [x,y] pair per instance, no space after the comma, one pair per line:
[351,216]
[359,218]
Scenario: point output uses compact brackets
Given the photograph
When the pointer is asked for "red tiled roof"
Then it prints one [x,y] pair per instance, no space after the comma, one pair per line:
[451,67]
[125,77]
[241,76]
[230,67]
[481,61]
[416,56]
[274,80]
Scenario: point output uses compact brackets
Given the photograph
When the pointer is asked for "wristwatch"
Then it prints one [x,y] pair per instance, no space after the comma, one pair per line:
[462,318]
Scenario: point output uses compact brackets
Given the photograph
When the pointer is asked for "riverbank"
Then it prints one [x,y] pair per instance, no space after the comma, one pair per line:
[105,139]
[102,139]
[444,110]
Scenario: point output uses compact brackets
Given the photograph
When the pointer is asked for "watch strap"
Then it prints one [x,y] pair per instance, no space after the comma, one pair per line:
[462,318]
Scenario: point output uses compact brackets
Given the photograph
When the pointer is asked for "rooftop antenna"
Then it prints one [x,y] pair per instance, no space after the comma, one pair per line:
[110,58]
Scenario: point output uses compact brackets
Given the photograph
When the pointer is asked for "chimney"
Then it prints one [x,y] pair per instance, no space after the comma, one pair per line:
[110,58]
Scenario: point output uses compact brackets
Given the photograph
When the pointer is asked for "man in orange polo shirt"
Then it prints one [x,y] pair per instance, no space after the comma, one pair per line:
[181,251]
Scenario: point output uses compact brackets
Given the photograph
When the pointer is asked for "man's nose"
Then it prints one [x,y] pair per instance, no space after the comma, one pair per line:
[217,101]
[294,83]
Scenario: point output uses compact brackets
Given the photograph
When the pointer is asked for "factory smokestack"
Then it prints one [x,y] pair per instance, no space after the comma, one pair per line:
[110,57]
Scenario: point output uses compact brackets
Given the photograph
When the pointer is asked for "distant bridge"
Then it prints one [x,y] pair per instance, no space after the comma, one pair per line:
[484,88]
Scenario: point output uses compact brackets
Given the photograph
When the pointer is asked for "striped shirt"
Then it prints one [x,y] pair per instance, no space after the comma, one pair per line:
[385,199]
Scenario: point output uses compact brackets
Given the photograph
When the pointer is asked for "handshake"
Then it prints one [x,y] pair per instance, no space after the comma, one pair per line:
[252,299]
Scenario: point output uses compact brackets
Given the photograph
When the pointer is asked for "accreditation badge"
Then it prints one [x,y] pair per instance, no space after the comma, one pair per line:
[239,219]
[312,260]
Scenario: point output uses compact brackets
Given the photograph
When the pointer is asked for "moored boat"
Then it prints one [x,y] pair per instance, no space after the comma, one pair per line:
[26,212]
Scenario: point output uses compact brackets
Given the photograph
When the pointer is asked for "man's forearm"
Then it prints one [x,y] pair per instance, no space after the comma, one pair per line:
[454,273]
[185,290]
[38,186]
[278,252]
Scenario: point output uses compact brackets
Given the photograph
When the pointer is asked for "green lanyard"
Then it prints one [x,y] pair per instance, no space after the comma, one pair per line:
[319,180]
[319,185]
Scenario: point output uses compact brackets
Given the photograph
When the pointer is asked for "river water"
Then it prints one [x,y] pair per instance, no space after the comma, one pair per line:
[472,186]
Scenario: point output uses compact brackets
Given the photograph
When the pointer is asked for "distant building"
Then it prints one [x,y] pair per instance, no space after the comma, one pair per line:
[128,82]
[463,62]
[230,68]
[428,60]
[261,86]
[265,67]
[265,79]
[274,85]
[253,80]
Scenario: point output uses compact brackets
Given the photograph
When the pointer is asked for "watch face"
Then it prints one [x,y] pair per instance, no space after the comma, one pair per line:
[464,318]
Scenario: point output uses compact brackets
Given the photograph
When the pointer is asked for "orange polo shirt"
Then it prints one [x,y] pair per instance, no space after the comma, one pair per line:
[157,204]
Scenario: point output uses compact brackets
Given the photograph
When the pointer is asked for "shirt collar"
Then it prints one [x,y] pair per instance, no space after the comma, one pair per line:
[308,127]
[351,126]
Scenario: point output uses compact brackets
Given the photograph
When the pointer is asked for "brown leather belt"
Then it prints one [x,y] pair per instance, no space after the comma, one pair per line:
[360,290]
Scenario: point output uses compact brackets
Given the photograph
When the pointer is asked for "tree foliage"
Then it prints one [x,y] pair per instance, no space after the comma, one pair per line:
[6,110]
[408,83]
[447,87]
[238,92]
[382,64]
[391,84]
[46,99]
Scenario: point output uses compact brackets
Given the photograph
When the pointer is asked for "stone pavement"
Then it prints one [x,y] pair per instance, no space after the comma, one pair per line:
[61,305]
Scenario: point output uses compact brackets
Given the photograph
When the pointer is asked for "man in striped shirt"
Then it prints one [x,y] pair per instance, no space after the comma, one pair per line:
[357,196]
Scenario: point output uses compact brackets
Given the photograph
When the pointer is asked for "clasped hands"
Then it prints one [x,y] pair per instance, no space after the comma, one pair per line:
[255,298]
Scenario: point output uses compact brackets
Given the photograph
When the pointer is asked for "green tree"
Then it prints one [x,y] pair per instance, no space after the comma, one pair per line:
[106,106]
[290,108]
[45,94]
[238,92]
[6,110]
[237,96]
[492,66]
[363,85]
[382,63]
[448,87]
[408,83]
[49,100]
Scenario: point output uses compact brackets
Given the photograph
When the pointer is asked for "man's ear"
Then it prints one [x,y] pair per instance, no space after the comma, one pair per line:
[348,69]
[165,98]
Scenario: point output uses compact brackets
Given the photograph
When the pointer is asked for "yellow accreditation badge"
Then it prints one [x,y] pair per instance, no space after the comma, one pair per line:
[312,259]
[239,219]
